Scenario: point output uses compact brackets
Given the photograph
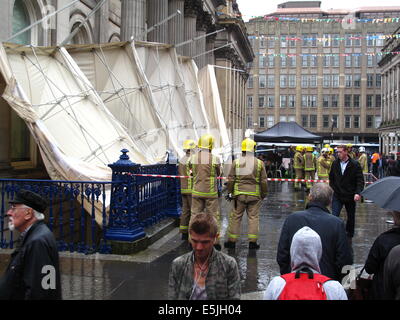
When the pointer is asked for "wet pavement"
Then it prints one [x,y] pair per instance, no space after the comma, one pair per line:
[145,274]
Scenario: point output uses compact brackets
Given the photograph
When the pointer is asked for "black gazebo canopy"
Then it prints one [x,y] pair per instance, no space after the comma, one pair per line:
[287,132]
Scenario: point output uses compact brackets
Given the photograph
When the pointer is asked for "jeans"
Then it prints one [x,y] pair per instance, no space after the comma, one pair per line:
[350,206]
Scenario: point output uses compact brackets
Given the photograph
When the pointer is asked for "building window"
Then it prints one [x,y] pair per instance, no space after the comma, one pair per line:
[283,101]
[313,121]
[292,81]
[335,121]
[357,40]
[357,80]
[370,80]
[292,61]
[348,80]
[356,122]
[292,40]
[304,61]
[283,41]
[347,61]
[283,81]
[313,81]
[335,40]
[304,121]
[261,62]
[369,100]
[325,101]
[370,121]
[262,81]
[335,80]
[377,121]
[335,101]
[313,101]
[271,81]
[347,100]
[326,61]
[304,101]
[378,101]
[313,39]
[250,101]
[261,121]
[304,81]
[262,42]
[283,62]
[292,119]
[282,119]
[261,101]
[271,101]
[356,61]
[356,101]
[314,61]
[335,61]
[378,80]
[305,40]
[326,40]
[325,121]
[380,40]
[327,81]
[370,40]
[370,61]
[292,101]
[347,122]
[271,61]
[347,42]
[270,121]
[249,121]
[271,42]
[250,82]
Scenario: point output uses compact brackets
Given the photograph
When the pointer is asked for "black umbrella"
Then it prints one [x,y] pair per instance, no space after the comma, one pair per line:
[385,193]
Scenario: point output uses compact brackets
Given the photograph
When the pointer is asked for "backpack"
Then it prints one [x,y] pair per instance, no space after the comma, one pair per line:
[303,286]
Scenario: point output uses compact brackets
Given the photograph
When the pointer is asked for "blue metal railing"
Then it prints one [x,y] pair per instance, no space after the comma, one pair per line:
[85,215]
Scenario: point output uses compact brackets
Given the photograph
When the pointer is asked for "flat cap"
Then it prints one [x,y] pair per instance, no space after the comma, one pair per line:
[30,199]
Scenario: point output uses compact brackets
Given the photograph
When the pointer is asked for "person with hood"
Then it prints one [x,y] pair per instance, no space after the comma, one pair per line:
[305,281]
[377,256]
[336,251]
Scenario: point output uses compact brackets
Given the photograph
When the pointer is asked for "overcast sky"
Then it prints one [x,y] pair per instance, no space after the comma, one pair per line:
[255,8]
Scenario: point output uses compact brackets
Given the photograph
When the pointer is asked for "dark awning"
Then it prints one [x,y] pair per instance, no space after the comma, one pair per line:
[287,132]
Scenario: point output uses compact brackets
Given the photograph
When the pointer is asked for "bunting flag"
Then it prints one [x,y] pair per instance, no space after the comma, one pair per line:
[284,55]
[323,39]
[307,20]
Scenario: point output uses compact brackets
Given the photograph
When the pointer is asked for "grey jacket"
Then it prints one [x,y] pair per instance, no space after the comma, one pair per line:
[222,282]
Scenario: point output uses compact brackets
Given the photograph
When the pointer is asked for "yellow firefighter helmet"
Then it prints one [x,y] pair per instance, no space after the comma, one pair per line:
[309,149]
[248,145]
[189,144]
[299,148]
[206,141]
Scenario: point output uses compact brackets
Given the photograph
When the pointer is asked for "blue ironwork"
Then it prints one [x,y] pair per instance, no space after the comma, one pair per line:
[135,203]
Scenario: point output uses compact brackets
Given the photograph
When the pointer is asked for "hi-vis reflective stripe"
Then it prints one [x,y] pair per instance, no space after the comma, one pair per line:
[233,236]
[258,176]
[184,227]
[252,236]
[223,178]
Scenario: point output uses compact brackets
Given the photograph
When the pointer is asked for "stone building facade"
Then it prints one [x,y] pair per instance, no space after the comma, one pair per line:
[389,130]
[321,75]
[122,20]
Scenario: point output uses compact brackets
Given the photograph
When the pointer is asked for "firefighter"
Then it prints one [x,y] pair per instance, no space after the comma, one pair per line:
[309,166]
[247,187]
[363,160]
[205,169]
[189,147]
[351,152]
[298,165]
[324,165]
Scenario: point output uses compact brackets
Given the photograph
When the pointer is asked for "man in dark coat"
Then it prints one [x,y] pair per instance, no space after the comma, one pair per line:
[377,256]
[347,181]
[335,248]
[33,272]
[391,274]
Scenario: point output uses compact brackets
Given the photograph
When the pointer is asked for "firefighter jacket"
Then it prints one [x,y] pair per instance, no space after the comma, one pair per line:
[183,170]
[298,161]
[247,176]
[324,166]
[205,169]
[363,162]
[310,162]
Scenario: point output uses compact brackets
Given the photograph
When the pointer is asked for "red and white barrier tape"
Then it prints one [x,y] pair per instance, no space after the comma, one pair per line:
[223,178]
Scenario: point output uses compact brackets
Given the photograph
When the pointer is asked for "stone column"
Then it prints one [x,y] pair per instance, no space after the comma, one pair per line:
[157,11]
[210,45]
[189,33]
[133,20]
[101,22]
[176,24]
[201,48]
[5,130]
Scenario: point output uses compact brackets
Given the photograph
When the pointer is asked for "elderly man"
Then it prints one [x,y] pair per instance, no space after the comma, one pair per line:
[205,273]
[335,249]
[33,272]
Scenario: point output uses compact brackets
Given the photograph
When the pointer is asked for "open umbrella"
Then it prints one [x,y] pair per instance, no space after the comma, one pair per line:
[385,193]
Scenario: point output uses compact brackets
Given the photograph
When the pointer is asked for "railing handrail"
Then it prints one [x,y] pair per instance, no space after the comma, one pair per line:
[58,181]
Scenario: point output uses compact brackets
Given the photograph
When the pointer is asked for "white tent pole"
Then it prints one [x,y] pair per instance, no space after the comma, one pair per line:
[215,66]
[72,34]
[158,24]
[197,38]
[41,20]
[226,45]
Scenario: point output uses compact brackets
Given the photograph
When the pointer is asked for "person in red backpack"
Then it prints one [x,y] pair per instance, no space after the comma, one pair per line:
[305,282]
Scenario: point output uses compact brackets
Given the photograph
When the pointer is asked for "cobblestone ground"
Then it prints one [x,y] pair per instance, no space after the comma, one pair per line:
[145,275]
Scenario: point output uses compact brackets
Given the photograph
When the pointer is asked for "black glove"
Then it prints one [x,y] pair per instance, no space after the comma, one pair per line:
[229,197]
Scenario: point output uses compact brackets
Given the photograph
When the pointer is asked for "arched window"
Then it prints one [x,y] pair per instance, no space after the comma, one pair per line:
[20,21]
[20,136]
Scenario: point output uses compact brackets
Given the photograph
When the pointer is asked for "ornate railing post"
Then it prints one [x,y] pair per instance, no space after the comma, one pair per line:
[123,220]
[174,191]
